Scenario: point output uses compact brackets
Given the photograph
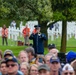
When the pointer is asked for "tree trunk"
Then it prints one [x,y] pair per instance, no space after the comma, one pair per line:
[44,30]
[63,39]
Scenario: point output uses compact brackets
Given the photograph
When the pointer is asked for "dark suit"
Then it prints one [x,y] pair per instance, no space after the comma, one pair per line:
[38,39]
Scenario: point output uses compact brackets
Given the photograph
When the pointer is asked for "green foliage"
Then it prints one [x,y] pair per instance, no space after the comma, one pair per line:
[4,11]
[38,9]
[26,9]
[44,7]
[58,16]
[64,9]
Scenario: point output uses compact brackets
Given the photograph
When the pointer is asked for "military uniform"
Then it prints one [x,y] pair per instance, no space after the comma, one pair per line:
[38,39]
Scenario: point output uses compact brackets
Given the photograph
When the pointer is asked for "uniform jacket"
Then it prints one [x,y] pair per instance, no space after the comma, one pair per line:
[26,32]
[38,40]
[4,32]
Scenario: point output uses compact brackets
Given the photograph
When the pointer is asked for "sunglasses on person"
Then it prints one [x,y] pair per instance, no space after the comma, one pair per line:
[12,65]
[68,73]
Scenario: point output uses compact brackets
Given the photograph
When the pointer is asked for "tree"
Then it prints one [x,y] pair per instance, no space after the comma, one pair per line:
[4,11]
[64,10]
[42,12]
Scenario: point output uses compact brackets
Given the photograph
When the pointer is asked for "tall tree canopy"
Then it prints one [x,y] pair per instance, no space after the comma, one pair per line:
[64,10]
[26,9]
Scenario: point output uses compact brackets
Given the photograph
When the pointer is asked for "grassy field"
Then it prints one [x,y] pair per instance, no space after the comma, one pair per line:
[12,45]
[71,44]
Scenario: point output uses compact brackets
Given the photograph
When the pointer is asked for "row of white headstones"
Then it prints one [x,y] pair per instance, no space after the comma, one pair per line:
[71,31]
[14,33]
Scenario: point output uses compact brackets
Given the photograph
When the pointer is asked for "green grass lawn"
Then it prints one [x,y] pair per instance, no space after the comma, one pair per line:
[71,44]
[15,49]
[12,45]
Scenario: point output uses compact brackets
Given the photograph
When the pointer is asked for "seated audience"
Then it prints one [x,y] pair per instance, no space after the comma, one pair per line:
[12,66]
[47,58]
[73,64]
[52,49]
[55,66]
[44,69]
[24,67]
[31,55]
[8,53]
[34,69]
[1,55]
[23,56]
[68,70]
[40,60]
[3,68]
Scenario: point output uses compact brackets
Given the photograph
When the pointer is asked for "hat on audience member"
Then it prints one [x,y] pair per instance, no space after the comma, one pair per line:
[14,59]
[8,52]
[54,59]
[67,67]
[70,56]
[44,67]
[51,46]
